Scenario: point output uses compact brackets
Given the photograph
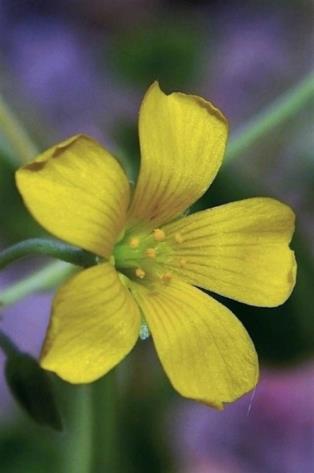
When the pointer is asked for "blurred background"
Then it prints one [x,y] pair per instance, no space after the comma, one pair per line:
[72,66]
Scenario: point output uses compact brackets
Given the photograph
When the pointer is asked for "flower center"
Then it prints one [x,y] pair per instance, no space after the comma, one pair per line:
[142,255]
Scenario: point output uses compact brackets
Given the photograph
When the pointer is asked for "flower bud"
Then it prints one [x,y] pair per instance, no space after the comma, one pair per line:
[32,389]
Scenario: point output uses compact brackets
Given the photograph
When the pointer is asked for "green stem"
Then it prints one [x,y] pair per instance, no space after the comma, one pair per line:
[92,430]
[43,280]
[280,110]
[21,145]
[79,445]
[105,434]
[48,247]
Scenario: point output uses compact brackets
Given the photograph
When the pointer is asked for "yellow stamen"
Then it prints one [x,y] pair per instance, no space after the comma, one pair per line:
[150,253]
[134,242]
[166,277]
[140,273]
[159,235]
[178,238]
[183,262]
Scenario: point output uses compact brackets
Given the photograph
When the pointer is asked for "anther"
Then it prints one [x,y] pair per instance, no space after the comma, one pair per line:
[166,277]
[159,235]
[178,238]
[140,273]
[134,242]
[150,253]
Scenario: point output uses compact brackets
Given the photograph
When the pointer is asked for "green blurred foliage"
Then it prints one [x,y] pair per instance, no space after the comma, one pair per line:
[16,222]
[125,134]
[25,450]
[143,412]
[168,52]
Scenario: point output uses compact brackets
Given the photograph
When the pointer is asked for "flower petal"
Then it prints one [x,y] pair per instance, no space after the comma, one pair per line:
[78,192]
[239,250]
[203,347]
[94,324]
[182,140]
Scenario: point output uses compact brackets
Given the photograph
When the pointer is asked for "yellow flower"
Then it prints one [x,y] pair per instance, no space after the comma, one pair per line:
[152,256]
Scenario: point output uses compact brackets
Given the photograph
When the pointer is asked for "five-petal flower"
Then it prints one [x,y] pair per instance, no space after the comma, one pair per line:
[151,255]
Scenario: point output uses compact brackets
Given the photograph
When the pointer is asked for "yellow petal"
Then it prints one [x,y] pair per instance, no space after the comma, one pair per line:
[94,324]
[239,250]
[78,192]
[204,349]
[182,140]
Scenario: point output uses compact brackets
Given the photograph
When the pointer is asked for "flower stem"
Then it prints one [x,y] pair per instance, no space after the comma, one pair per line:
[48,247]
[79,446]
[282,109]
[105,435]
[21,146]
[43,280]
[92,428]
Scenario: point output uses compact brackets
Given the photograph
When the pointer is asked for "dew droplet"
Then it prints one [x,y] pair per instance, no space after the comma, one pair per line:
[144,331]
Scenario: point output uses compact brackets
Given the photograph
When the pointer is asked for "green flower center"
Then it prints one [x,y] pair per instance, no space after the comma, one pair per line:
[143,255]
